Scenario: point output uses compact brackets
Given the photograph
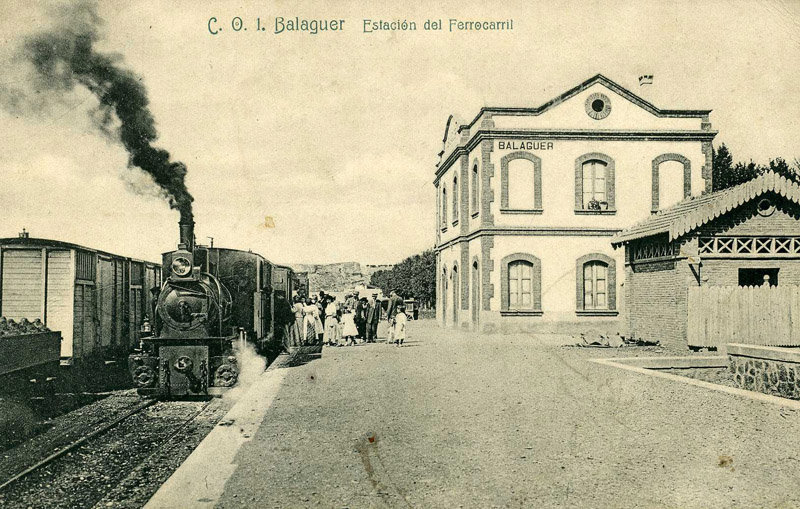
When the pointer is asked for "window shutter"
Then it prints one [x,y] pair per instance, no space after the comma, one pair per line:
[610,191]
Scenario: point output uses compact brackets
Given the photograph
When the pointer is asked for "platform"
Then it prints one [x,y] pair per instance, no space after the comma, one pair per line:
[458,419]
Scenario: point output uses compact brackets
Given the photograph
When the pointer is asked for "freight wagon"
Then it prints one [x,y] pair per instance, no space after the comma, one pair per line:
[95,299]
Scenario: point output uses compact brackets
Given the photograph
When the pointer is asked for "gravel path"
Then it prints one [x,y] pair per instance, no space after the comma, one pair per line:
[455,419]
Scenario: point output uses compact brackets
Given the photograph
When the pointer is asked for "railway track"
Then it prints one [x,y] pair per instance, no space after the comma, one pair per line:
[119,463]
[75,444]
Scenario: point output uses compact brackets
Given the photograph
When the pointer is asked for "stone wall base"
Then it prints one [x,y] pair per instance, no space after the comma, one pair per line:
[766,369]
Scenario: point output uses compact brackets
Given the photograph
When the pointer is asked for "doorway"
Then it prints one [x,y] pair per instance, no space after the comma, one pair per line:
[475,295]
[455,296]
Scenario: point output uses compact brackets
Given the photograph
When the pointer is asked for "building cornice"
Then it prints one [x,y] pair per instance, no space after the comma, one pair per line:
[541,231]
[573,134]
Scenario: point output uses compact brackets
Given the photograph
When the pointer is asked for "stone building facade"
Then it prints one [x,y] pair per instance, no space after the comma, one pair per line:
[748,235]
[528,200]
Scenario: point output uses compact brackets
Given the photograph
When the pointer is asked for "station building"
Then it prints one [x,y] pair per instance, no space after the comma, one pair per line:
[528,199]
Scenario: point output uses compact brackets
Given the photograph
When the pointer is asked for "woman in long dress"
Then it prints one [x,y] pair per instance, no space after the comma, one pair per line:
[297,326]
[331,323]
[309,323]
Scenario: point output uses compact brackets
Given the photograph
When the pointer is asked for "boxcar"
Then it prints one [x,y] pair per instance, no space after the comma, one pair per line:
[95,299]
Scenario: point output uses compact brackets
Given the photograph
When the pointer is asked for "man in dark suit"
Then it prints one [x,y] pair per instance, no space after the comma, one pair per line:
[361,317]
[373,317]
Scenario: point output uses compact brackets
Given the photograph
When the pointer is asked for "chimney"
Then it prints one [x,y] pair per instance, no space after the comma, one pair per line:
[645,79]
[24,234]
[186,234]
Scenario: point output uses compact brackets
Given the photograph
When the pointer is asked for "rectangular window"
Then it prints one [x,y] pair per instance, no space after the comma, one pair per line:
[594,186]
[520,285]
[595,288]
[758,277]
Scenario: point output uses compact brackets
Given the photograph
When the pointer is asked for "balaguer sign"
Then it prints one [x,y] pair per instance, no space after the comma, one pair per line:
[524,145]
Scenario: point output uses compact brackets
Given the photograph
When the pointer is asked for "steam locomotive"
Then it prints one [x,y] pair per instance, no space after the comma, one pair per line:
[211,304]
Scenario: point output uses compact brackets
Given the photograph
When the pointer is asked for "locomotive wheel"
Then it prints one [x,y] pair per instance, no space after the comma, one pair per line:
[144,376]
[225,376]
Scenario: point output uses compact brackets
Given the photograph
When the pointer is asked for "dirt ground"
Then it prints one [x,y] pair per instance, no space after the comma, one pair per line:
[455,419]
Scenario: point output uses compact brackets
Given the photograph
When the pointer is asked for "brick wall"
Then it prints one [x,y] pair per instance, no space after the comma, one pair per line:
[656,295]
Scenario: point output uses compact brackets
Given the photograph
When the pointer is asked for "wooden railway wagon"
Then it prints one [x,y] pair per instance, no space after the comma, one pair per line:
[283,280]
[96,300]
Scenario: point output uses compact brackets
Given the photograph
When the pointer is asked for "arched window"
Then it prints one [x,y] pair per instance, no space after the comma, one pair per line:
[596,284]
[594,184]
[444,207]
[672,180]
[474,201]
[455,198]
[521,183]
[520,281]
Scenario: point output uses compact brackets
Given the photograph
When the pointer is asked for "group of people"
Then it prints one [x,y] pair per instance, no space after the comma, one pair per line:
[324,319]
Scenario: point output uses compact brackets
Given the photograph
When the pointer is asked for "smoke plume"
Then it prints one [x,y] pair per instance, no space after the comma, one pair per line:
[65,57]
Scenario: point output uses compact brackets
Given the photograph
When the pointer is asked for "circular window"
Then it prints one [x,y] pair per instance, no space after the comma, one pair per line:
[598,106]
[765,207]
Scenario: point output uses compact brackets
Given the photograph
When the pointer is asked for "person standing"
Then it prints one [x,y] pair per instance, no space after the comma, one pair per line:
[309,323]
[321,303]
[361,318]
[373,317]
[395,301]
[297,326]
[331,323]
[400,323]
[284,318]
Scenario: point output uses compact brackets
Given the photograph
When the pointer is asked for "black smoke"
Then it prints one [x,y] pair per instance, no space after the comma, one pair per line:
[66,56]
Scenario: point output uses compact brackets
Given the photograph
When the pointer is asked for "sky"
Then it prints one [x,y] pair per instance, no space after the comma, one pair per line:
[335,136]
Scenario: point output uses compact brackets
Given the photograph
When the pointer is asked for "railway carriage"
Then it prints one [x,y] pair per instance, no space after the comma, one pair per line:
[96,300]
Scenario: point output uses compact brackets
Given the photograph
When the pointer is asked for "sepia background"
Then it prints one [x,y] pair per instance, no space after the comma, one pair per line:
[334,136]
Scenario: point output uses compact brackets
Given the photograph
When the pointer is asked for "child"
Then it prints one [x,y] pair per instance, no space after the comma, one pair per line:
[349,329]
[400,321]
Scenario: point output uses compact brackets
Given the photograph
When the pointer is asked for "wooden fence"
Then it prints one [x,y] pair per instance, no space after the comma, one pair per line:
[753,315]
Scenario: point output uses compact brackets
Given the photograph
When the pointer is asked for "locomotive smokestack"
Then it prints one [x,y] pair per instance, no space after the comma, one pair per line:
[186,225]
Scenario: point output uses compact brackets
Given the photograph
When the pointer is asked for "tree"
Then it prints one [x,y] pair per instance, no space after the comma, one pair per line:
[413,277]
[726,174]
